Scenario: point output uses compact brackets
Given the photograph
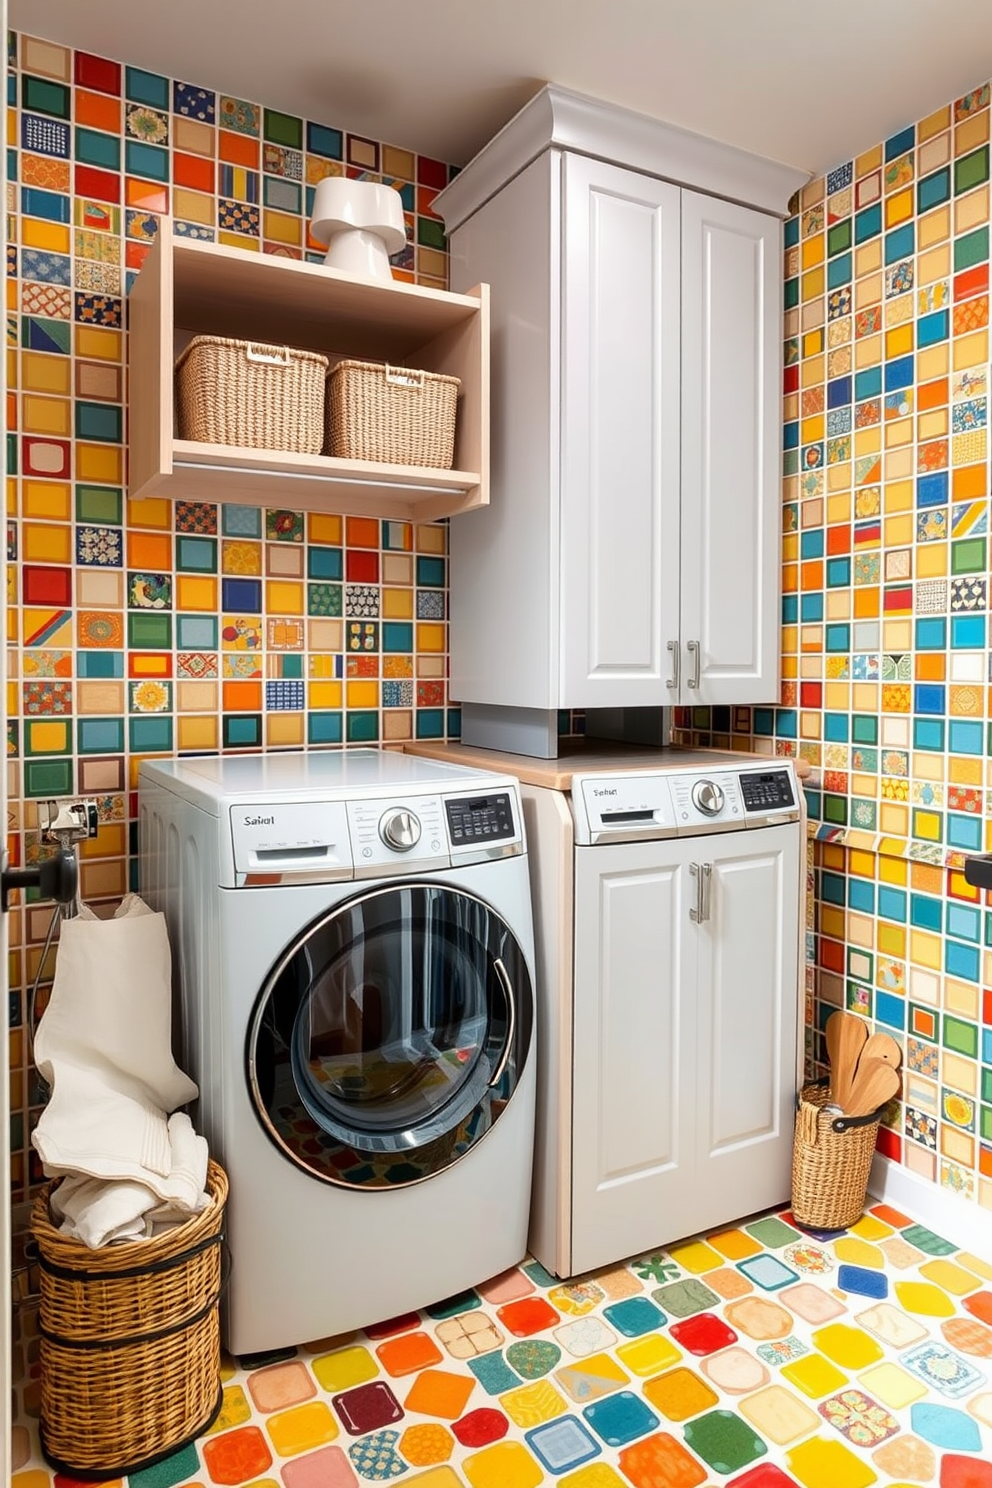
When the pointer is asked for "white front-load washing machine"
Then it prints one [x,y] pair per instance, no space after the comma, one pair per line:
[353,948]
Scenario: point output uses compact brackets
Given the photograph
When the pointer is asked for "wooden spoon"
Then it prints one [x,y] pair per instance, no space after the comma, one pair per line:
[876,1083]
[846,1035]
[882,1046]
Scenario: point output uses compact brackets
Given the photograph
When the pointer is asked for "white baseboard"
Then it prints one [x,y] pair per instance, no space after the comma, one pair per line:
[956,1219]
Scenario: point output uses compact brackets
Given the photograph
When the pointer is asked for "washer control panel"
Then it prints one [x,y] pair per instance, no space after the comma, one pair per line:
[767,790]
[480,818]
[621,806]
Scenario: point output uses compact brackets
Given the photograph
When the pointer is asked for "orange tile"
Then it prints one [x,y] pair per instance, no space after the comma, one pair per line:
[680,1394]
[237,1456]
[97,111]
[932,394]
[149,551]
[437,1392]
[193,171]
[238,149]
[150,196]
[242,697]
[361,532]
[661,1460]
[405,1355]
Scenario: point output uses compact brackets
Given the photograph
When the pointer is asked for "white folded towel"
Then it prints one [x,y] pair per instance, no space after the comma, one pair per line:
[98,1211]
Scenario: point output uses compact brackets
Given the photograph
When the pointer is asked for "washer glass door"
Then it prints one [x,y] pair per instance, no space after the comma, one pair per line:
[389,1037]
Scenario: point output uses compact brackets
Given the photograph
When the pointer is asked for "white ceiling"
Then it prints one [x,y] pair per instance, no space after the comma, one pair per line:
[807,84]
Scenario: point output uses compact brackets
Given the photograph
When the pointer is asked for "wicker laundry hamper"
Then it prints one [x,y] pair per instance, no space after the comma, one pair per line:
[130,1341]
[398,415]
[831,1161]
[248,394]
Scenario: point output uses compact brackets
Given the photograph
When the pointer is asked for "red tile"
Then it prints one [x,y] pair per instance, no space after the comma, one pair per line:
[765,1475]
[810,694]
[703,1334]
[529,1315]
[236,1456]
[238,149]
[889,1144]
[838,540]
[401,1324]
[135,253]
[790,379]
[193,171]
[480,1427]
[47,586]
[104,185]
[964,1472]
[367,1408]
[362,568]
[97,72]
[431,172]
[890,1216]
[971,282]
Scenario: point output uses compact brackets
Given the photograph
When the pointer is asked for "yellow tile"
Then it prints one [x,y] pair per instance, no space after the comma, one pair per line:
[893,1386]
[41,373]
[197,731]
[814,1376]
[869,161]
[235,240]
[429,538]
[283,730]
[46,416]
[503,1465]
[344,1368]
[971,133]
[46,544]
[923,1298]
[302,1429]
[283,597]
[99,343]
[280,227]
[193,206]
[324,529]
[446,1477]
[898,341]
[50,237]
[828,1464]
[847,1346]
[813,251]
[532,1405]
[47,500]
[150,511]
[971,351]
[648,1355]
[196,592]
[327,694]
[735,1245]
[696,1258]
[397,604]
[934,123]
[899,208]
[430,637]
[102,463]
[362,694]
[49,736]
[975,1263]
[779,1415]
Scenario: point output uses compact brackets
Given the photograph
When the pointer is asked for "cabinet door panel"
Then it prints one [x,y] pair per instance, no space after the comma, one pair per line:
[633,1068]
[748,1022]
[620,435]
[731,496]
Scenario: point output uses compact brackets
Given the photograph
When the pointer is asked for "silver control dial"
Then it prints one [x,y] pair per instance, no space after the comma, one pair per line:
[707,797]
[400,829]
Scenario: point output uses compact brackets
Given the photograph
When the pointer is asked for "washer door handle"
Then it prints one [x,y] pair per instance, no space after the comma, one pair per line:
[511,1002]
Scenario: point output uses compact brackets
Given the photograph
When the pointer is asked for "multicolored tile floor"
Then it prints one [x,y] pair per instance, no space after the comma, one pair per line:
[758,1357]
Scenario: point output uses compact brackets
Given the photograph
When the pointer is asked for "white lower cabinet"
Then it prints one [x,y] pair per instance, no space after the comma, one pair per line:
[685,1029]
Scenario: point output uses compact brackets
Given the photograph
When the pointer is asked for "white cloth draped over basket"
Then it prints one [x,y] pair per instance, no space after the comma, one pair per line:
[104,1046]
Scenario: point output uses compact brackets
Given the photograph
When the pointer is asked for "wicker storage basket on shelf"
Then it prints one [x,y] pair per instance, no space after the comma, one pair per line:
[130,1341]
[831,1161]
[394,414]
[245,393]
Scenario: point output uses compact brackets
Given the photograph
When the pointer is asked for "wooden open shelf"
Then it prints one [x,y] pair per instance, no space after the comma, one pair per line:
[188,288]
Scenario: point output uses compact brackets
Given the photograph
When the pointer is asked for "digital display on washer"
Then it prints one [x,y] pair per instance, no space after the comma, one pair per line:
[480,818]
[768,790]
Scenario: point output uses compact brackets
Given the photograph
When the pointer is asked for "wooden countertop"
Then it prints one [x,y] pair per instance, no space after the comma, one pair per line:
[577,755]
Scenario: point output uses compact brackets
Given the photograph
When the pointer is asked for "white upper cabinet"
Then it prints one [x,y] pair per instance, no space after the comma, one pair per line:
[630,555]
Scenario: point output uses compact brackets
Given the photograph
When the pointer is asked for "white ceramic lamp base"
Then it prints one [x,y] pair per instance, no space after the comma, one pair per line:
[362,224]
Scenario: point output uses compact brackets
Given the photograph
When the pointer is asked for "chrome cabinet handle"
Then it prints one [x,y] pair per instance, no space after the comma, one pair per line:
[693,648]
[673,682]
[703,874]
[504,977]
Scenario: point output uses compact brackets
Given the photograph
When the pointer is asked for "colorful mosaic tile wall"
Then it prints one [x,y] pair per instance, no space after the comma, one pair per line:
[886,650]
[153,627]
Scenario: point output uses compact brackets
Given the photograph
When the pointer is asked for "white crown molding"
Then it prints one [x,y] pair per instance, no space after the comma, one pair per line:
[588,126]
[956,1219]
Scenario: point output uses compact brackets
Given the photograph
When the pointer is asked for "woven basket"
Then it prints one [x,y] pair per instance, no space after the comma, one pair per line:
[130,1341]
[394,414]
[248,394]
[831,1161]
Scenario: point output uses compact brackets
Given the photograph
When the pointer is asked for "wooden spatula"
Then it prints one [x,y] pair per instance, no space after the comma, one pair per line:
[882,1046]
[846,1035]
[875,1083]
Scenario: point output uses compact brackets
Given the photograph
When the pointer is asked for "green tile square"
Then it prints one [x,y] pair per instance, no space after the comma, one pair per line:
[42,96]
[148,161]
[724,1441]
[430,234]
[835,810]
[362,727]
[772,1233]
[147,632]
[103,422]
[95,148]
[928,1242]
[985,1123]
[175,1469]
[960,1036]
[283,129]
[683,1299]
[864,730]
[196,554]
[291,666]
[44,777]
[323,728]
[101,505]
[968,556]
[971,249]
[839,237]
[324,599]
[146,87]
[971,170]
[148,734]
[987,1083]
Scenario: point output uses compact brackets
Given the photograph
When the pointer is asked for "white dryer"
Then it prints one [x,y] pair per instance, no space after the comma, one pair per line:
[353,943]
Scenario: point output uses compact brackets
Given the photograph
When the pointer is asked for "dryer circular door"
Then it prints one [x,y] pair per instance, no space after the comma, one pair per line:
[390,1036]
